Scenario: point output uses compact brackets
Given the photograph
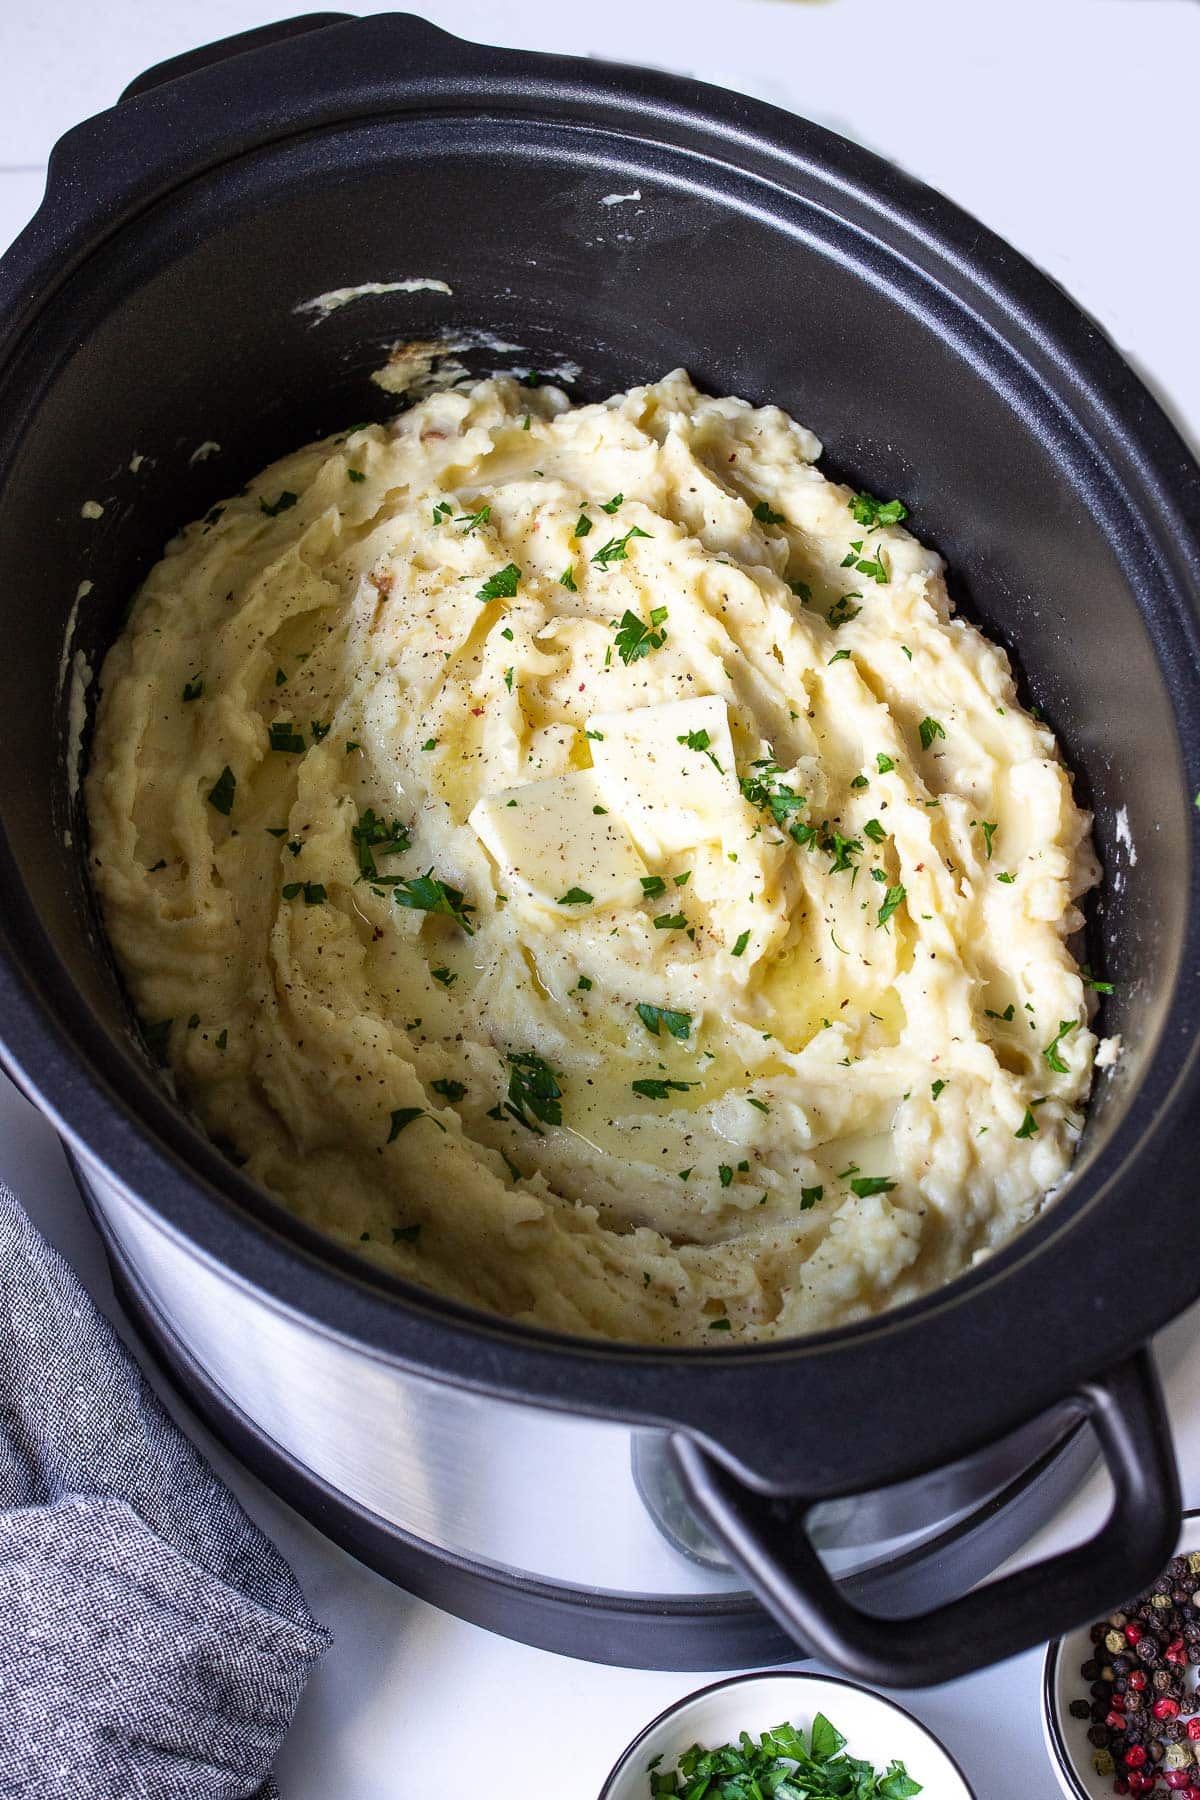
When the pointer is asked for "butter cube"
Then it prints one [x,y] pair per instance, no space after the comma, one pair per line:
[667,770]
[556,838]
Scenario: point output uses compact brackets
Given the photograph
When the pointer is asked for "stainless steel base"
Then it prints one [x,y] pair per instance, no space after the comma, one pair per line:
[558,1529]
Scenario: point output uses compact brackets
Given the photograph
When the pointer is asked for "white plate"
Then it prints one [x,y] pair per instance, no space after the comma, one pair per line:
[874,1728]
[1066,1738]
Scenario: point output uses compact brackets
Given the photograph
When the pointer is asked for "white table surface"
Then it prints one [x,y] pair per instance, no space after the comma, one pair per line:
[1071,127]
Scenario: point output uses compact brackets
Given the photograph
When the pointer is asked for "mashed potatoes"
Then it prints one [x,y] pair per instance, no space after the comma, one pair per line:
[574,856]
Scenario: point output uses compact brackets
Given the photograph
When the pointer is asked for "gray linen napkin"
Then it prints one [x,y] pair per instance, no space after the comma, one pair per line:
[153,1643]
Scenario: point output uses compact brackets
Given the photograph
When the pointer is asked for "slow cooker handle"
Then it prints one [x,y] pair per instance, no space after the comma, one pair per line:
[1129,1551]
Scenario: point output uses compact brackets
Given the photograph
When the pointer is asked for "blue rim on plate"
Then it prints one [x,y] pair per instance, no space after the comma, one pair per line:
[802,1675]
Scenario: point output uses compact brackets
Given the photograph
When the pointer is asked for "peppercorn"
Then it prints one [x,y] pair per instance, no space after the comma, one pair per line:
[1103,1763]
[1122,1664]
[1079,1709]
[1099,1690]
[1090,1670]
[1148,1650]
[1099,1735]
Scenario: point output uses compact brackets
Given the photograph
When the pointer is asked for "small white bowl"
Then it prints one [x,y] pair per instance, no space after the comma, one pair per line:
[1066,1738]
[874,1728]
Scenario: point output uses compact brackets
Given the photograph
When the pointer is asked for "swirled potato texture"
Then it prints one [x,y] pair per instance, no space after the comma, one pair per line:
[576,857]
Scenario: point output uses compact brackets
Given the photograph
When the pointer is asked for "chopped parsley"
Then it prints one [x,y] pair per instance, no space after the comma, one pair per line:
[766,791]
[444,976]
[653,886]
[765,516]
[582,526]
[860,781]
[502,585]
[575,896]
[838,656]
[809,1197]
[894,897]
[739,947]
[220,794]
[719,1325]
[872,513]
[192,690]
[617,549]
[222,1039]
[282,735]
[355,475]
[532,1089]
[1050,1054]
[508,679]
[423,893]
[374,836]
[989,828]
[636,639]
[403,1117]
[874,830]
[866,1185]
[567,580]
[1006,1016]
[782,1763]
[584,984]
[472,521]
[700,740]
[274,509]
[930,729]
[724,1174]
[319,729]
[1006,878]
[843,850]
[801,590]
[429,744]
[1029,1124]
[883,763]
[314,893]
[405,1234]
[656,1018]
[610,506]
[280,678]
[874,568]
[651,1088]
[938,1087]
[670,922]
[449,1090]
[843,610]
[1089,980]
[441,511]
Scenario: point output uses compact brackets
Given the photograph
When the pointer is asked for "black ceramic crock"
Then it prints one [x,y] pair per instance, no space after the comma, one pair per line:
[150,307]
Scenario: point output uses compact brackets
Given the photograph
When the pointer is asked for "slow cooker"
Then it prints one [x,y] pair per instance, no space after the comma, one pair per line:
[841,1493]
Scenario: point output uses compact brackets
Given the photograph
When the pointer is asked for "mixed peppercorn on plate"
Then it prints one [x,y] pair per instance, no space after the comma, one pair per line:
[1120,1708]
[575,856]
